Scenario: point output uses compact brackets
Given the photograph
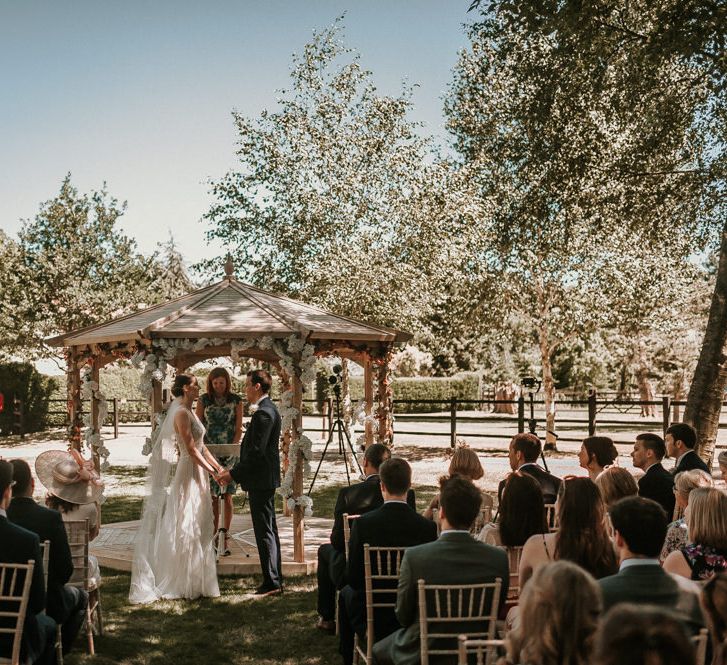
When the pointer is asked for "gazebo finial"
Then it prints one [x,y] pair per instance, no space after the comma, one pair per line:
[229,267]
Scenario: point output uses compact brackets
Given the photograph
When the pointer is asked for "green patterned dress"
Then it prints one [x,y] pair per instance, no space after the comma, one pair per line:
[219,420]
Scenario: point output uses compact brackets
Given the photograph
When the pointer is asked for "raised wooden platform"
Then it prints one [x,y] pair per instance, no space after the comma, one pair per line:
[114,546]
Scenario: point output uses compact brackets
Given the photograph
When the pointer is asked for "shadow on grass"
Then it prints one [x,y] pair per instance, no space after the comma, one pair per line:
[235,628]
[51,435]
[121,509]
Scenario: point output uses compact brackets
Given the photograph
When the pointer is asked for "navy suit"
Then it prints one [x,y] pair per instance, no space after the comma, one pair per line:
[392,525]
[658,484]
[355,499]
[258,472]
[690,461]
[19,546]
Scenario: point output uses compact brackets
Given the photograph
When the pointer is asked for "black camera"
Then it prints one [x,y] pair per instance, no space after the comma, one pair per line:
[336,379]
[529,381]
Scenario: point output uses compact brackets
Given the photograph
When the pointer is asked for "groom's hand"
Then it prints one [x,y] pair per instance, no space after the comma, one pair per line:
[224,478]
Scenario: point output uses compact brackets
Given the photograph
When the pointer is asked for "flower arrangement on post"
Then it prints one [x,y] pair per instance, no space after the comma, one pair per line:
[92,436]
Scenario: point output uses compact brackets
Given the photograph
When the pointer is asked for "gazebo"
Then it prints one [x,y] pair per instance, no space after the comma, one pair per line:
[232,319]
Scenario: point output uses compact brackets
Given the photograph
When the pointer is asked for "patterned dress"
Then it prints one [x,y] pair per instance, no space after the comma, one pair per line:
[704,562]
[219,419]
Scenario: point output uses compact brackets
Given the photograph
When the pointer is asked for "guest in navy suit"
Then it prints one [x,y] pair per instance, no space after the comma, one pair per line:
[20,546]
[656,483]
[680,439]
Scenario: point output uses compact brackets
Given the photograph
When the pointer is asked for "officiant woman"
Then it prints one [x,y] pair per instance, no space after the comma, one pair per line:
[220,411]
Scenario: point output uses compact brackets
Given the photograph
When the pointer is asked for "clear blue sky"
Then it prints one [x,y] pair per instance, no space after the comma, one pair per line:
[139,94]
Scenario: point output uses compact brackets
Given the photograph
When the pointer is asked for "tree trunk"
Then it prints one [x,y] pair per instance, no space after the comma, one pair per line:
[706,391]
[646,389]
[548,387]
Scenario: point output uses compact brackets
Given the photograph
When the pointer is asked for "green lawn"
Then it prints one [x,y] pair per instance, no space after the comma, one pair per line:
[235,628]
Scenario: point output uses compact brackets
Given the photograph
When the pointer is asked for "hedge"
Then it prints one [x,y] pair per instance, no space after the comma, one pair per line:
[24,382]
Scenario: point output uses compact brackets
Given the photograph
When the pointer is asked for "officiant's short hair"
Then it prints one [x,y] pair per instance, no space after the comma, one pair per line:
[262,377]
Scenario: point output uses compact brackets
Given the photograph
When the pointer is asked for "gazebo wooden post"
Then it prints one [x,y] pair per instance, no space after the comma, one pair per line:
[95,406]
[298,515]
[156,402]
[385,395]
[285,437]
[74,406]
[368,398]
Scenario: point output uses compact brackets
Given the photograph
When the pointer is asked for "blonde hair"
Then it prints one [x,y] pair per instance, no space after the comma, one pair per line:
[708,517]
[465,462]
[686,481]
[616,483]
[556,627]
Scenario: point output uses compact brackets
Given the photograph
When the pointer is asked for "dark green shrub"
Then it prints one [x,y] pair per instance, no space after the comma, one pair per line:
[23,381]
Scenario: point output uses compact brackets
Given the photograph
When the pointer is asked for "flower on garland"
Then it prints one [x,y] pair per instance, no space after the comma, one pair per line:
[92,437]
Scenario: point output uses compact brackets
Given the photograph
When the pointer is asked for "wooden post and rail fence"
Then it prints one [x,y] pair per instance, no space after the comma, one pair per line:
[431,417]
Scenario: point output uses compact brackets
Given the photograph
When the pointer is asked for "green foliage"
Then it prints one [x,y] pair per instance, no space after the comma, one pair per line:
[74,268]
[24,382]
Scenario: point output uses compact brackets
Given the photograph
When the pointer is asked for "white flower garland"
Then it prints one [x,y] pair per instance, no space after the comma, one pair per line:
[92,437]
[163,350]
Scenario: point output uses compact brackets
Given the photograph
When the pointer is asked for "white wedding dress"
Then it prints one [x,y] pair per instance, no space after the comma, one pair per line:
[174,555]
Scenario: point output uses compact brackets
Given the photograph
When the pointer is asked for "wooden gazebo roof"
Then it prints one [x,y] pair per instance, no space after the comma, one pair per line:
[230,310]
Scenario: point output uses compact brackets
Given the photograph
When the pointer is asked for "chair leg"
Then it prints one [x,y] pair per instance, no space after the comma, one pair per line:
[59,646]
[97,611]
[89,631]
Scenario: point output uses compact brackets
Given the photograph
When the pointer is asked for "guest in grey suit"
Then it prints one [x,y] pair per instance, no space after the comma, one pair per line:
[639,529]
[455,558]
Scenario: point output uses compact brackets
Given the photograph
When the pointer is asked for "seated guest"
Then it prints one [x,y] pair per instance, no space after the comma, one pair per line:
[656,483]
[639,528]
[521,513]
[714,602]
[632,635]
[65,604]
[706,552]
[581,537]
[19,546]
[616,483]
[455,558]
[394,524]
[596,453]
[684,483]
[354,500]
[556,626]
[680,440]
[523,454]
[465,463]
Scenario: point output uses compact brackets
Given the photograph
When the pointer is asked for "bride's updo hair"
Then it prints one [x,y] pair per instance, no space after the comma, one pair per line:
[180,381]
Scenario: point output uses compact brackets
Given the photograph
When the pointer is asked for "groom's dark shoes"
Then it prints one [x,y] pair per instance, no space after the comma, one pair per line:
[263,591]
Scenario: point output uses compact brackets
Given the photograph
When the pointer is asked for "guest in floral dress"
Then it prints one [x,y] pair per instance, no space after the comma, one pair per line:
[220,411]
[706,552]
[684,483]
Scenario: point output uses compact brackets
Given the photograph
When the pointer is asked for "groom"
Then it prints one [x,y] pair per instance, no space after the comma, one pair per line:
[258,472]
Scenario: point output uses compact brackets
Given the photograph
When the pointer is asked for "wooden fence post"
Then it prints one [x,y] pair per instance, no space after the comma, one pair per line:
[453,422]
[592,412]
[116,417]
[520,414]
[665,409]
[18,416]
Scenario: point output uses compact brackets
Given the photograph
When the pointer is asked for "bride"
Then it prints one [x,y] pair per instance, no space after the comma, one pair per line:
[174,554]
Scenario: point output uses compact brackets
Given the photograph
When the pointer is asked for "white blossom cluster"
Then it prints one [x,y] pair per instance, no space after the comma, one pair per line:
[92,437]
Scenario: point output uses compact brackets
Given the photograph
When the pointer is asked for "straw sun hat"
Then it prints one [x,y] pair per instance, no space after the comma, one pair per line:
[63,476]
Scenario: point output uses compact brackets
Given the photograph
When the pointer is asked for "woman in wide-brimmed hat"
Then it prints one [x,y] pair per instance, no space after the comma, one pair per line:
[74,490]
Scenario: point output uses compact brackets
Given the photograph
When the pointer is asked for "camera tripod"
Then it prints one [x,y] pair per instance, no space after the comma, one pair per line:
[337,427]
[532,422]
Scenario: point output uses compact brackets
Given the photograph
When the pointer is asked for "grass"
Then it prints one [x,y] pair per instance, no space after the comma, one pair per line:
[234,628]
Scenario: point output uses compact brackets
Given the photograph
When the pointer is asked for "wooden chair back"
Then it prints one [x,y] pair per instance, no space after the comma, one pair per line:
[381,575]
[446,611]
[482,650]
[15,582]
[347,519]
[45,556]
[700,646]
[514,554]
[77,531]
[551,516]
